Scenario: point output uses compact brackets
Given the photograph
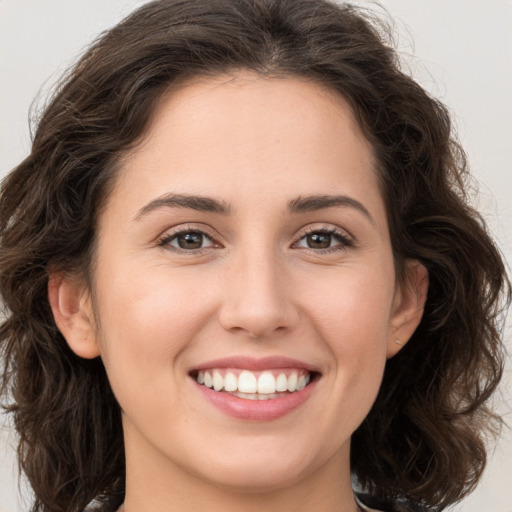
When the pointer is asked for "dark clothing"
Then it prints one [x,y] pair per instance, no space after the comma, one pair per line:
[388,506]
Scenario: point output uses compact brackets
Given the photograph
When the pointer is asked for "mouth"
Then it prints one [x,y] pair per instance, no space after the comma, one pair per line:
[256,389]
[255,385]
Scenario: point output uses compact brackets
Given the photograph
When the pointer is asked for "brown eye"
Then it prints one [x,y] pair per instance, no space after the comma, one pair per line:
[323,240]
[319,240]
[188,241]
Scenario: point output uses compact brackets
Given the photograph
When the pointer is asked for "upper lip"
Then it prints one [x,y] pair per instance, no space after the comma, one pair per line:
[256,364]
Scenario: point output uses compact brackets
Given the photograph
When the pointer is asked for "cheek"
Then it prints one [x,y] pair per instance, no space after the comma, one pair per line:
[147,321]
[352,308]
[352,313]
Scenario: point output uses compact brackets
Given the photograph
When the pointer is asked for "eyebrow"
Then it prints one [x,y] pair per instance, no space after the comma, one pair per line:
[192,202]
[301,204]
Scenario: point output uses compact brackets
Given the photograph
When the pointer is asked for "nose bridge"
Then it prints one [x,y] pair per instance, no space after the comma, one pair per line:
[258,301]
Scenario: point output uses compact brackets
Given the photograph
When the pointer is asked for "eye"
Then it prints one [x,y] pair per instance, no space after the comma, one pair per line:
[324,239]
[187,240]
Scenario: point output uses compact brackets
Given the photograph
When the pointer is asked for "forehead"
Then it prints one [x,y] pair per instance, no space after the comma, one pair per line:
[230,135]
[267,109]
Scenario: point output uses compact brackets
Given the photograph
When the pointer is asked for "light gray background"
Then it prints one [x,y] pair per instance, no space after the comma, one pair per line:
[462,53]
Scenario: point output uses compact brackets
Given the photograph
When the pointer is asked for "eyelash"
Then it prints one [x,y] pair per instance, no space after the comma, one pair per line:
[166,240]
[345,241]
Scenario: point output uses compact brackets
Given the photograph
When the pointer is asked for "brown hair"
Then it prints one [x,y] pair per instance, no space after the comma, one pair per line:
[424,437]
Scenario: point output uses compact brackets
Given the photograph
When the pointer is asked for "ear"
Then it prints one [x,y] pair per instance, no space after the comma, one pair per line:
[408,305]
[73,313]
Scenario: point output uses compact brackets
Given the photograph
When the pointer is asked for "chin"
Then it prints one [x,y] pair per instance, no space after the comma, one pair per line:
[258,471]
[256,480]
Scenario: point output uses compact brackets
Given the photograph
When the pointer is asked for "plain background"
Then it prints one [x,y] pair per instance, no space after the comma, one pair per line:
[460,50]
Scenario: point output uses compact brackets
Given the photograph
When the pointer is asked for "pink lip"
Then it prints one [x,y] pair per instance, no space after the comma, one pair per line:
[256,410]
[255,364]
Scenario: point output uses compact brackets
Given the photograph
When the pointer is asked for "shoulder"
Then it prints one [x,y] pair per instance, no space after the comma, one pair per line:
[370,504]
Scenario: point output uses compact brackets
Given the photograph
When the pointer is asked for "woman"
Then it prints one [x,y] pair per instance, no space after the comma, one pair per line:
[240,270]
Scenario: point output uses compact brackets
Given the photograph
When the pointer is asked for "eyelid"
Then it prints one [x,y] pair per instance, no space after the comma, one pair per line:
[347,238]
[171,233]
[328,228]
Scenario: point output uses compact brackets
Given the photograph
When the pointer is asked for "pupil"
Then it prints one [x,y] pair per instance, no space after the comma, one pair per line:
[319,241]
[190,241]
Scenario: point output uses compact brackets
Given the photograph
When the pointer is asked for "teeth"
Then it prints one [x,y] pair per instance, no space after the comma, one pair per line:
[250,396]
[248,385]
[230,382]
[218,381]
[292,382]
[281,383]
[247,382]
[266,383]
[257,396]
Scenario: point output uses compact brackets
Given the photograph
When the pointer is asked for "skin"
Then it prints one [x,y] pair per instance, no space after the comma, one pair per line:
[255,288]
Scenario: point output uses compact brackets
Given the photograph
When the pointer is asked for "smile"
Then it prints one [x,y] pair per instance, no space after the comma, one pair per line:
[256,389]
[254,385]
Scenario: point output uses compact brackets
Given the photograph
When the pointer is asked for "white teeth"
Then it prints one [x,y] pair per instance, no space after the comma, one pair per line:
[208,382]
[218,381]
[249,396]
[281,383]
[292,382]
[247,382]
[247,385]
[230,382]
[257,396]
[266,383]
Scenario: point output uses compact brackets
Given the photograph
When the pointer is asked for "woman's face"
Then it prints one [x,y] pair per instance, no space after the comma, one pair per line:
[246,241]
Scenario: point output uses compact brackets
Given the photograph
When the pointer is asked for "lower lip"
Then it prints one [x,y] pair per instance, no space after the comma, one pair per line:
[256,410]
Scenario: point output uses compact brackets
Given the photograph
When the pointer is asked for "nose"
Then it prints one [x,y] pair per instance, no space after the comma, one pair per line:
[258,300]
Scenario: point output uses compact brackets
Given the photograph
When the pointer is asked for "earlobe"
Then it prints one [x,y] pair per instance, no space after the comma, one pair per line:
[72,310]
[408,306]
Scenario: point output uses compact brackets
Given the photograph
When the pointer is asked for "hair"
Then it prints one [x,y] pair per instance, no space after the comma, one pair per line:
[424,439]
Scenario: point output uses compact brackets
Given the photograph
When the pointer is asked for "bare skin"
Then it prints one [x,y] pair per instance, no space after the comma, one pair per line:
[288,256]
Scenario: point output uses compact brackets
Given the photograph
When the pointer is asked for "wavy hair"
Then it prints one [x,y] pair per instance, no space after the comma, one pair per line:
[424,439]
